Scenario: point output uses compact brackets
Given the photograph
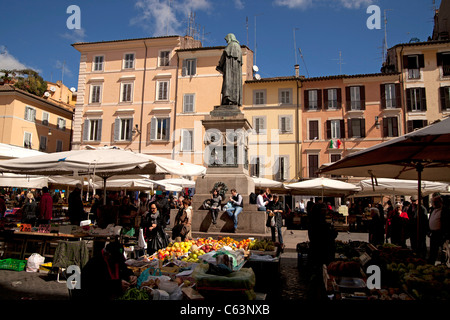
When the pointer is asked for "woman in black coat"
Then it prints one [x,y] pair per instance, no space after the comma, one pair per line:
[276,208]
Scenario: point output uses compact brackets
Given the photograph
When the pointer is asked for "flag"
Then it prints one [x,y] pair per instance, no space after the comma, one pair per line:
[336,144]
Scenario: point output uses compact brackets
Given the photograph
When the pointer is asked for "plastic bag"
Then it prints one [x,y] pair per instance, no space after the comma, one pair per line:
[142,244]
[34,261]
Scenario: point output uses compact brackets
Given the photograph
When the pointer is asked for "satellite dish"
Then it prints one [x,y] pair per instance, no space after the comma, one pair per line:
[73,89]
[52,89]
[46,94]
[255,68]
[257,77]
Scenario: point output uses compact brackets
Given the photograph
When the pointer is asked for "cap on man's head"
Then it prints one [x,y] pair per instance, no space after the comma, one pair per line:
[413,198]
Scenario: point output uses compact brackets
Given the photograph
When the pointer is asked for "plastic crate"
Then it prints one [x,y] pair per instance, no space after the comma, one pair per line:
[13,264]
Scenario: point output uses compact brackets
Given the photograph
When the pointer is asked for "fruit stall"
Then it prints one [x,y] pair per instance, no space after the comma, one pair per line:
[201,269]
[403,275]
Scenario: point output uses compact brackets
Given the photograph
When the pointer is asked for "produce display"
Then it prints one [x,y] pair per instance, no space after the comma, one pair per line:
[345,268]
[261,245]
[135,294]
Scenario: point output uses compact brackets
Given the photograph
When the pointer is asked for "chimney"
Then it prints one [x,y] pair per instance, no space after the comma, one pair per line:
[297,68]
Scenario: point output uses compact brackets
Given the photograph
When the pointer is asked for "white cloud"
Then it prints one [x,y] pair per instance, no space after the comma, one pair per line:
[355,4]
[75,35]
[59,65]
[239,4]
[166,17]
[9,62]
[303,4]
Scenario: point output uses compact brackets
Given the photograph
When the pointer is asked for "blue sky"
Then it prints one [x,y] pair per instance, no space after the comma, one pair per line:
[34,33]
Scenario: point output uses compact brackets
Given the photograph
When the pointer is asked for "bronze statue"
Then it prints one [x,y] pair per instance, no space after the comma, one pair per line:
[230,65]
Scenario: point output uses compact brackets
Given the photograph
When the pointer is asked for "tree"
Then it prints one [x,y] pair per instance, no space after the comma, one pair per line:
[31,82]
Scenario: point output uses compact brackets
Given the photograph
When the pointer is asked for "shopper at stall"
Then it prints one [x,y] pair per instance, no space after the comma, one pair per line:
[236,209]
[216,202]
[106,276]
[45,207]
[95,207]
[418,230]
[75,206]
[127,213]
[376,228]
[183,222]
[2,205]
[439,225]
[153,225]
[162,203]
[29,210]
[276,207]
[260,202]
[143,207]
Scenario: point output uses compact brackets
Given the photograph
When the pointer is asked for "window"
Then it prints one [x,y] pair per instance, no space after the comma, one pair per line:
[335,157]
[332,98]
[59,146]
[159,129]
[164,58]
[27,136]
[313,99]
[43,143]
[390,127]
[187,140]
[313,165]
[128,61]
[443,61]
[416,124]
[96,91]
[285,96]
[259,124]
[122,129]
[355,98]
[92,130]
[30,114]
[281,168]
[61,124]
[313,129]
[98,63]
[162,90]
[189,67]
[416,100]
[255,167]
[445,98]
[413,63]
[188,102]
[356,128]
[259,97]
[390,96]
[45,118]
[127,92]
[285,124]
[335,129]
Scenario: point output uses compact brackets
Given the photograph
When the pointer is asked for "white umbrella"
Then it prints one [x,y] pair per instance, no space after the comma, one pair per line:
[398,187]
[323,186]
[22,181]
[267,183]
[175,167]
[185,183]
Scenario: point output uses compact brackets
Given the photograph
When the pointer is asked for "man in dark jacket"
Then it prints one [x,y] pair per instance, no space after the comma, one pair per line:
[418,227]
[75,210]
[439,225]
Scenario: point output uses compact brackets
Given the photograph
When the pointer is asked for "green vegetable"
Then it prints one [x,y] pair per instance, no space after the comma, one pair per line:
[135,294]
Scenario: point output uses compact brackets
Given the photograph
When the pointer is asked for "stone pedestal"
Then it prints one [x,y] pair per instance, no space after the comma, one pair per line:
[226,142]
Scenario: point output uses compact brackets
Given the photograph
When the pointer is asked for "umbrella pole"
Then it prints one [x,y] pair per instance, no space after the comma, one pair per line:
[104,190]
[419,169]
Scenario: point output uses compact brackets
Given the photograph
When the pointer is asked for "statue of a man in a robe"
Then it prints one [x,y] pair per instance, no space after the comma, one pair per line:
[230,65]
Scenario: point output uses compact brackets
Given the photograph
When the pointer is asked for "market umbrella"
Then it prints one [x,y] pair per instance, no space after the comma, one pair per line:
[324,187]
[184,183]
[267,183]
[421,154]
[398,187]
[22,181]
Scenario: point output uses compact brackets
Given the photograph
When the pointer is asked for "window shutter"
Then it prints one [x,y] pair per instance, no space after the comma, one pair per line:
[130,128]
[285,168]
[410,125]
[383,96]
[116,129]
[348,99]
[288,123]
[421,60]
[328,124]
[395,127]
[86,130]
[184,68]
[325,99]
[306,100]
[167,137]
[349,127]
[385,127]
[398,95]
[99,130]
[362,97]
[424,123]
[363,127]
[153,128]
[423,97]
[342,128]
[405,62]
[194,66]
[339,98]
[445,99]
[276,168]
[319,99]
[408,100]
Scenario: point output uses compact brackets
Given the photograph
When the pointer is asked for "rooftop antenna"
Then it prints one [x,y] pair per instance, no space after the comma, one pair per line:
[255,38]
[340,62]
[295,46]
[246,27]
[385,48]
[301,55]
